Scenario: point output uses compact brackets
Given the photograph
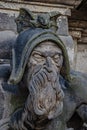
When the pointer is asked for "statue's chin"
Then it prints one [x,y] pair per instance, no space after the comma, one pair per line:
[51,114]
[46,93]
[46,103]
[56,111]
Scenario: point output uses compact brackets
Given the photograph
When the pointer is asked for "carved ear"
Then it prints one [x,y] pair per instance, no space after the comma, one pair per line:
[53,17]
[54,14]
[27,12]
[23,20]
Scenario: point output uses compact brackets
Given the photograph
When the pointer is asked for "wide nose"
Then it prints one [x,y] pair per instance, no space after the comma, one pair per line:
[49,62]
[50,67]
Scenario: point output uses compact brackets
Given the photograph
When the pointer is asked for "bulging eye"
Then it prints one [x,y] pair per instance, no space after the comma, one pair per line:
[56,56]
[38,57]
[58,59]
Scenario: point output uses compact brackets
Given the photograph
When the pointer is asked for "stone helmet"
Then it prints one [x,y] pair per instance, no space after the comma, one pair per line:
[25,44]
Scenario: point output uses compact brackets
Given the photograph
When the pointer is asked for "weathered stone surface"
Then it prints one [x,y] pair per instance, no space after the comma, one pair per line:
[1,102]
[70,46]
[7,22]
[63,26]
[9,10]
[5,105]
[78,23]
[81,60]
[34,6]
[7,39]
[68,2]
[41,71]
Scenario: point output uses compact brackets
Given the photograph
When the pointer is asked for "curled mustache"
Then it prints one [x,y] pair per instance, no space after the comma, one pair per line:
[46,93]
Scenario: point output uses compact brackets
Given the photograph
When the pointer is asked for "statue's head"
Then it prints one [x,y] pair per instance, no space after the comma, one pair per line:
[27,42]
[41,55]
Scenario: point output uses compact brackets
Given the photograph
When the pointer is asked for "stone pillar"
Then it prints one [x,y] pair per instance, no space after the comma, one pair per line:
[63,32]
[76,34]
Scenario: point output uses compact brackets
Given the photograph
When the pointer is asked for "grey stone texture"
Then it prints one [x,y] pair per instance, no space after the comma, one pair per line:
[1,103]
[7,39]
[8,33]
[7,22]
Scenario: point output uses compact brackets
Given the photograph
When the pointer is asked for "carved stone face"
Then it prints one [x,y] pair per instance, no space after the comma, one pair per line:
[43,80]
[45,98]
[47,52]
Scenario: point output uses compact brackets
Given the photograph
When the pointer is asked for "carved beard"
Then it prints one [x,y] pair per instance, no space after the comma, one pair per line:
[45,100]
[46,95]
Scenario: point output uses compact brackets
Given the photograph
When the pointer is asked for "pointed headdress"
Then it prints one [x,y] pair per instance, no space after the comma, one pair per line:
[32,31]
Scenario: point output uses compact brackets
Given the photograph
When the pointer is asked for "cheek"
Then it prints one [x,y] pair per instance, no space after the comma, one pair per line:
[59,62]
[34,62]
[33,67]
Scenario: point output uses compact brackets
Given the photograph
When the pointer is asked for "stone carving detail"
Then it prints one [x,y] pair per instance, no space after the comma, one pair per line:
[27,19]
[48,94]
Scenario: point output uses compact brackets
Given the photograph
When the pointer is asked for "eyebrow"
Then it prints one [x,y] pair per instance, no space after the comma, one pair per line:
[46,53]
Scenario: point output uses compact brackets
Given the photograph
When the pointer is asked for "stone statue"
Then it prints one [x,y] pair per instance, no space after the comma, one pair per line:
[40,74]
